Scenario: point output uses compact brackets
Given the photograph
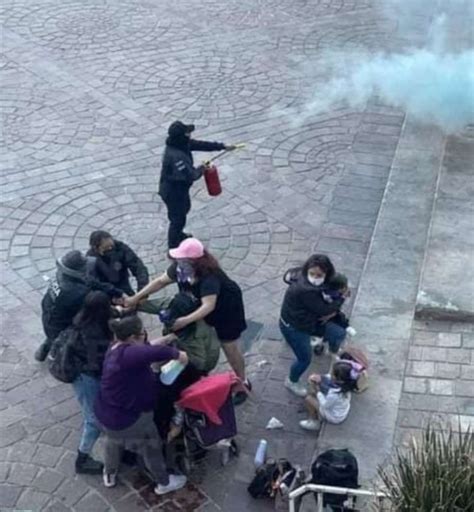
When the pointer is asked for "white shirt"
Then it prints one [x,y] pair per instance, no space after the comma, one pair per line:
[334,406]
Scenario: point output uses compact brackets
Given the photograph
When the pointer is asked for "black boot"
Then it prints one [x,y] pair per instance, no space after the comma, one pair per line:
[86,465]
[42,351]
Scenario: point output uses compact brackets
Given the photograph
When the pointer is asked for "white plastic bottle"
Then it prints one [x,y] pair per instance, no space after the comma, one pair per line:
[261,453]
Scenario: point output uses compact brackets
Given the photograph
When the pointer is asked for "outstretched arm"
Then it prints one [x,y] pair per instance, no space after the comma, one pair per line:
[152,287]
[203,145]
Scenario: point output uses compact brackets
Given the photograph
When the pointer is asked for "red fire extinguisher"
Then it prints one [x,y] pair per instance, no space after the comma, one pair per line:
[211,174]
[213,183]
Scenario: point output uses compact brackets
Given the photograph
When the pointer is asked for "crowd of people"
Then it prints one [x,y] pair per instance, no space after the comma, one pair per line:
[117,384]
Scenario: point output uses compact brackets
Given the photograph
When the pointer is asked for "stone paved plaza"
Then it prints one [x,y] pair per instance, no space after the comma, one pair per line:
[88,89]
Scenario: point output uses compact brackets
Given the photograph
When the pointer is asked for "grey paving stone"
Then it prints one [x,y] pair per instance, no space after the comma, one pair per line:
[48,481]
[9,495]
[32,500]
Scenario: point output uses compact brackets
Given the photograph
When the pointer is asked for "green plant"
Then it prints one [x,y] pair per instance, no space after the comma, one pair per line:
[433,475]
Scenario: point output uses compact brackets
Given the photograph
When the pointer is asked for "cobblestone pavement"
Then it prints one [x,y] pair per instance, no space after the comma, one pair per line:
[88,88]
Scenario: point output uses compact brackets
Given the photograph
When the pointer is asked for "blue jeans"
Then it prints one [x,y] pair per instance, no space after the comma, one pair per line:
[86,389]
[300,343]
[334,335]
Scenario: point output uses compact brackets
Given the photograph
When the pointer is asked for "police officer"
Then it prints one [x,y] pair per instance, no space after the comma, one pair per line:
[178,174]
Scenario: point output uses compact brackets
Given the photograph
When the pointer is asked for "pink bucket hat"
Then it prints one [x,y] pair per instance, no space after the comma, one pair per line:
[191,248]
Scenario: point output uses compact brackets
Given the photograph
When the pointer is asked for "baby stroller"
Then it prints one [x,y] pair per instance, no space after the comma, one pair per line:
[209,420]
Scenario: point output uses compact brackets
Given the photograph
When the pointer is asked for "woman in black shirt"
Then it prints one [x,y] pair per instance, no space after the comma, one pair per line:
[197,272]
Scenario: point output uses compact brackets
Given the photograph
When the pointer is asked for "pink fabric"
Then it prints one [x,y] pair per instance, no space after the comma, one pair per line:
[208,394]
[190,248]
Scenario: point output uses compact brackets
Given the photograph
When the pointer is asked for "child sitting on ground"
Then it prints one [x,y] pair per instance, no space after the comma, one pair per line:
[331,397]
[336,290]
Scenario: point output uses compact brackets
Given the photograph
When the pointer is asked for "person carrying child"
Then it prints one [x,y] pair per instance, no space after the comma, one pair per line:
[304,313]
[335,291]
[330,398]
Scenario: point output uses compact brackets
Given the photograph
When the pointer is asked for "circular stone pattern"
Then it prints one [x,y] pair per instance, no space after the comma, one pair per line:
[74,27]
[258,13]
[305,157]
[249,245]
[210,86]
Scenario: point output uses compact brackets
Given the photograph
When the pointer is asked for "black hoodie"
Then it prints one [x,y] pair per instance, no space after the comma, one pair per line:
[178,172]
[303,306]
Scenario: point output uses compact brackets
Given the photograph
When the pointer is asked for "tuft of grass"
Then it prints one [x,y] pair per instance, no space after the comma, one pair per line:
[433,475]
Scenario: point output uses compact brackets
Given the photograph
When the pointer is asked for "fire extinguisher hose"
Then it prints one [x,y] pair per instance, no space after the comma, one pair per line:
[222,153]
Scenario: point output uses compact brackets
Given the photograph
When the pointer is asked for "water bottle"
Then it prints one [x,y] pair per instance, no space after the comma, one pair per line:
[170,372]
[261,454]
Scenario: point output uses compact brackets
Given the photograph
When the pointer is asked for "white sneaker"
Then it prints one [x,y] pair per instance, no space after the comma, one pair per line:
[109,479]
[176,482]
[312,425]
[296,388]
[316,340]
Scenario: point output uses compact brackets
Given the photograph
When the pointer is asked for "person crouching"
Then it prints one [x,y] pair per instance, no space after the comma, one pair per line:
[127,395]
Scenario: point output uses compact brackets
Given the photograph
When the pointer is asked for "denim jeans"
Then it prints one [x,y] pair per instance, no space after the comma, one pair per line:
[300,343]
[334,335]
[86,389]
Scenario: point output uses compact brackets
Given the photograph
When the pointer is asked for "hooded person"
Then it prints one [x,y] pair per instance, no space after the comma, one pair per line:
[178,174]
[65,296]
[114,262]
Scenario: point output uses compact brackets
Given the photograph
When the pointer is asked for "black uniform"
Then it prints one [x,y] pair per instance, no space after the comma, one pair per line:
[177,175]
[65,297]
[112,268]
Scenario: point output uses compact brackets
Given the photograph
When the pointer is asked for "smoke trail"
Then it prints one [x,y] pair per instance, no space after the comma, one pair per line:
[433,88]
[431,84]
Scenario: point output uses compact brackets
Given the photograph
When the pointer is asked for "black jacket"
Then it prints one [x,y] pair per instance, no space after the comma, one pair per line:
[91,348]
[64,298]
[112,269]
[178,172]
[303,306]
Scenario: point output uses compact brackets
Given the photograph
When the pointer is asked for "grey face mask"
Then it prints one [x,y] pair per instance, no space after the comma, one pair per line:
[184,272]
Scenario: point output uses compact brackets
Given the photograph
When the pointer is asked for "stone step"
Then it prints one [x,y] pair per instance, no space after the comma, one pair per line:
[447,283]
[385,304]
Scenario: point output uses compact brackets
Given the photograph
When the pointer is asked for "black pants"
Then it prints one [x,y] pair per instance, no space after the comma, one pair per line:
[178,206]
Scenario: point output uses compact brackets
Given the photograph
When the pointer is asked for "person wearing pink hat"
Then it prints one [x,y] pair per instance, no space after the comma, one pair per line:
[196,271]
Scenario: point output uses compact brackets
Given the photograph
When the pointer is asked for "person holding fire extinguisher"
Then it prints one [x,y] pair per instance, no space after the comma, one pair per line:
[178,174]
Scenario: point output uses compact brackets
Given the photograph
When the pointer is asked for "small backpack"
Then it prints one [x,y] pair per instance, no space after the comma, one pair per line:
[336,468]
[62,360]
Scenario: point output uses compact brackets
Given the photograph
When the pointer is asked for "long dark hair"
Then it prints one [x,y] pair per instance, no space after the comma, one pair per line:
[342,376]
[95,311]
[125,327]
[206,265]
[321,261]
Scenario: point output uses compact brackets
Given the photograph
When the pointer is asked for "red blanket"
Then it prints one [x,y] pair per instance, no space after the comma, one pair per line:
[208,394]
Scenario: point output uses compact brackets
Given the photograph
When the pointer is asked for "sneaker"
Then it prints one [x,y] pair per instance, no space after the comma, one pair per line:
[315,341]
[318,349]
[311,425]
[176,482]
[86,465]
[109,479]
[296,388]
[42,351]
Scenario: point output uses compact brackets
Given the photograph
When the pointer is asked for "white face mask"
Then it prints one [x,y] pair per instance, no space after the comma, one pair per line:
[316,281]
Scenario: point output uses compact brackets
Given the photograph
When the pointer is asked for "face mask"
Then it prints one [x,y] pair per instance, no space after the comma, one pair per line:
[316,281]
[185,272]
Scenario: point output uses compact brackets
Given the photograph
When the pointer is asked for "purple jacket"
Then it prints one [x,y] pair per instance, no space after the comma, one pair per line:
[128,385]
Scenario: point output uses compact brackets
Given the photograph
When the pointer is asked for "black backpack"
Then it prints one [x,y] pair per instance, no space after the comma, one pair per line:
[63,363]
[336,468]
